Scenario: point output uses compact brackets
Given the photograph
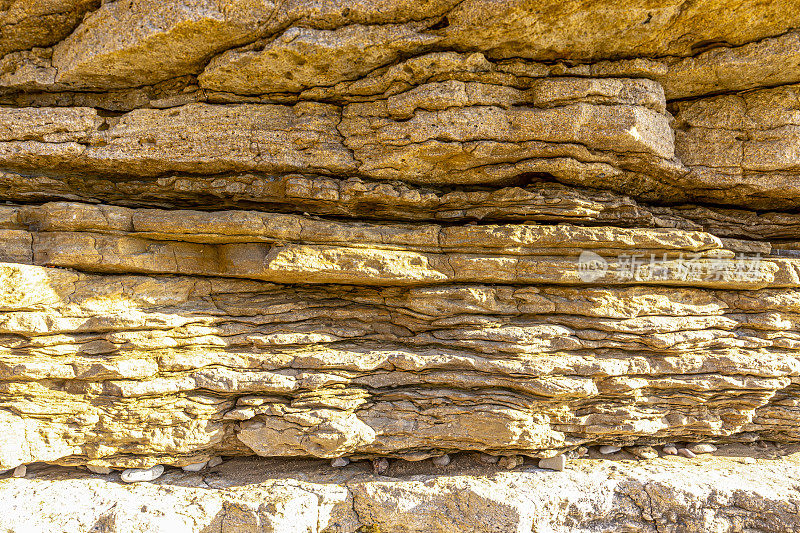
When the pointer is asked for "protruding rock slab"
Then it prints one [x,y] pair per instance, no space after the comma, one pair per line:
[143,42]
[25,24]
[439,134]
[743,148]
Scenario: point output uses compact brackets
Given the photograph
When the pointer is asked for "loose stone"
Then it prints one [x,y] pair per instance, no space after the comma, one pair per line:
[98,469]
[643,452]
[699,448]
[488,459]
[20,471]
[608,450]
[670,449]
[554,463]
[510,461]
[214,461]
[380,466]
[443,460]
[134,475]
[340,462]
[689,454]
[194,467]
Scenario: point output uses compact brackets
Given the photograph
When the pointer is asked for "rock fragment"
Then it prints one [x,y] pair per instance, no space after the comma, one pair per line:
[689,454]
[608,449]
[510,461]
[442,460]
[380,466]
[670,449]
[488,459]
[135,475]
[643,452]
[195,467]
[557,462]
[698,448]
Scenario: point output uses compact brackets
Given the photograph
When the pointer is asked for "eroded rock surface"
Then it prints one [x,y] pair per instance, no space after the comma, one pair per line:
[399,229]
[711,493]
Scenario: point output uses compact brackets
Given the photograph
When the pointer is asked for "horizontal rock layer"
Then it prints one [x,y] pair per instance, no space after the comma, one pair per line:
[710,494]
[221,366]
[608,133]
[254,47]
[292,248]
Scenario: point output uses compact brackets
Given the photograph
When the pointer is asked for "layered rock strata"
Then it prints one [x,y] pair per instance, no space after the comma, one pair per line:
[365,229]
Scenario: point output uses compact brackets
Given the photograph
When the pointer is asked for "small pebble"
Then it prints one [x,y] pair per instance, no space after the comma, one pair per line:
[340,462]
[20,471]
[748,460]
[554,463]
[380,466]
[510,461]
[670,449]
[194,467]
[643,452]
[700,447]
[98,469]
[443,460]
[133,475]
[488,459]
[607,450]
[581,451]
[689,454]
[214,461]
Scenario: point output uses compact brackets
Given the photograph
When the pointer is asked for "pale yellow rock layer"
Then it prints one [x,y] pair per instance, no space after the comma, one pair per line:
[475,123]
[479,142]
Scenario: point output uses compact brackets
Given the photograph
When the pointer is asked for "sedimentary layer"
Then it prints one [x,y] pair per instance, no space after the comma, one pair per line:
[719,493]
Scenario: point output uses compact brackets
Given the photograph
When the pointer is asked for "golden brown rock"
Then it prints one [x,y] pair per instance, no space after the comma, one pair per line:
[26,24]
[397,230]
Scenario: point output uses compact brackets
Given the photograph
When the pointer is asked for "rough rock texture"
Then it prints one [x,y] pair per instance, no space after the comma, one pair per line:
[250,495]
[403,229]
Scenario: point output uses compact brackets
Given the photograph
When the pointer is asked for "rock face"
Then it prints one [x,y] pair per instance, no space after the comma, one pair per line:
[399,229]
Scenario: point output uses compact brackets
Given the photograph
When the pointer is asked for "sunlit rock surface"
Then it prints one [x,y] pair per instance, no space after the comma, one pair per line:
[318,229]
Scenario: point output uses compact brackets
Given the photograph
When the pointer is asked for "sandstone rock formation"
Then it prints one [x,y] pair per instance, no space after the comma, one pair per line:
[392,228]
